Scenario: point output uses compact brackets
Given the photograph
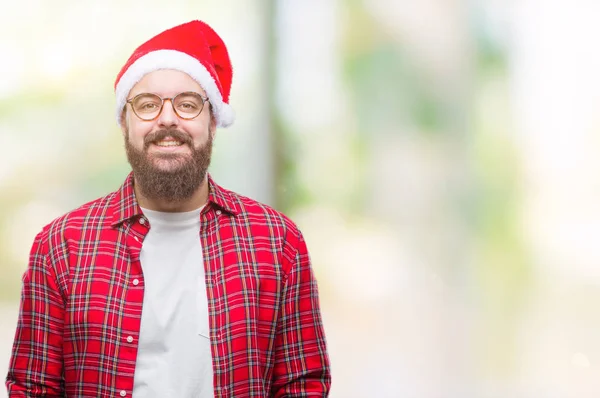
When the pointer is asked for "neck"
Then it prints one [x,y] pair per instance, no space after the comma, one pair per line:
[197,200]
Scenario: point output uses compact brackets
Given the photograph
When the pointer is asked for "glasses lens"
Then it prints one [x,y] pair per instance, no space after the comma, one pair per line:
[188,105]
[146,106]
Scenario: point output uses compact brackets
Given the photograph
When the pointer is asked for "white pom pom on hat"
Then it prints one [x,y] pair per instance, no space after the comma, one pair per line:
[193,48]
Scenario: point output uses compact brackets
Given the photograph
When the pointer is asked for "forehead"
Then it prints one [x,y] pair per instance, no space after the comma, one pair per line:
[166,82]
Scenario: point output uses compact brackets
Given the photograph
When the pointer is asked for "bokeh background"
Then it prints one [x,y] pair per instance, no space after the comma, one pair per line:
[440,156]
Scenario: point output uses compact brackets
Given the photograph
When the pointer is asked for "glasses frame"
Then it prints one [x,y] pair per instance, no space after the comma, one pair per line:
[162,104]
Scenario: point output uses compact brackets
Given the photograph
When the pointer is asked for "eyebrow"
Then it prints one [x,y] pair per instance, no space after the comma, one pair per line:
[133,94]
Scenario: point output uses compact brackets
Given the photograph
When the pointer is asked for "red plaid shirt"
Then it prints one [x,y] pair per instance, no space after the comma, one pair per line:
[82,299]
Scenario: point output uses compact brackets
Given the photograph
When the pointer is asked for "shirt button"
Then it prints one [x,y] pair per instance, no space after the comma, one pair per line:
[123,393]
[129,339]
[218,212]
[142,220]
[136,238]
[136,282]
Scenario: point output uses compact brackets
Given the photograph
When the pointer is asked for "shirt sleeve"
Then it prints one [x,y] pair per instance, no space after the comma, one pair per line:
[301,360]
[36,364]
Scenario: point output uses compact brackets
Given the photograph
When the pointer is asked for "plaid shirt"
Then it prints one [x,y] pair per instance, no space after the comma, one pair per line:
[81,302]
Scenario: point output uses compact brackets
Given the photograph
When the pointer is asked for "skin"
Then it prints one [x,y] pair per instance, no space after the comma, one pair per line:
[168,83]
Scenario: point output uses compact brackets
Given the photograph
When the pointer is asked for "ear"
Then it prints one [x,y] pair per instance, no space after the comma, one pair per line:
[212,128]
[123,122]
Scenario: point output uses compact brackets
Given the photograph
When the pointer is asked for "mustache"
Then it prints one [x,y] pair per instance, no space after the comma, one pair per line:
[164,133]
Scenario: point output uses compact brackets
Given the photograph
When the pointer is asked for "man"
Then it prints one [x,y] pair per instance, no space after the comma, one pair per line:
[171,286]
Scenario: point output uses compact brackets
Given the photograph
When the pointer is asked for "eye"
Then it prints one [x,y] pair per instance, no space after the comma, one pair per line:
[148,106]
[147,103]
[187,106]
[189,103]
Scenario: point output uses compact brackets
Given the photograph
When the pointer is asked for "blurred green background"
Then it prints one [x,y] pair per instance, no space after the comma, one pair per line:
[441,158]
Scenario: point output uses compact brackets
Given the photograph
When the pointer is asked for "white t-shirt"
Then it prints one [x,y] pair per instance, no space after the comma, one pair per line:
[174,357]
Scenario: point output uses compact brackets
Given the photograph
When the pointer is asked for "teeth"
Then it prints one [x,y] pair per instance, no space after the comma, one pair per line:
[168,143]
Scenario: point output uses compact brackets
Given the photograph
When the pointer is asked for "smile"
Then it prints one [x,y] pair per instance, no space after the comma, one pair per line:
[168,143]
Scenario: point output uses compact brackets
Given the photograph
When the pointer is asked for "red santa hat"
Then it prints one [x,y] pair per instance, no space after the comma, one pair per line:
[194,48]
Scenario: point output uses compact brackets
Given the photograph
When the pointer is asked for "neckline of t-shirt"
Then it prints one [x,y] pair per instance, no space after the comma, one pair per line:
[173,218]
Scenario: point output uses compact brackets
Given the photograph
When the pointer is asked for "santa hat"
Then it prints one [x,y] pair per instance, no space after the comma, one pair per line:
[194,48]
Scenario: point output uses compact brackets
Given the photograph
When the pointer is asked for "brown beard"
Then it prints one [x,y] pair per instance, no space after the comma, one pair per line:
[181,180]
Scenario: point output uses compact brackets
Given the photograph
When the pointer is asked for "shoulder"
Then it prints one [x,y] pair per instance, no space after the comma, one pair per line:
[262,218]
[73,222]
[273,227]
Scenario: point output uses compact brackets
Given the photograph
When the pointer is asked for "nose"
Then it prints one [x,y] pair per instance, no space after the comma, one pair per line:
[168,117]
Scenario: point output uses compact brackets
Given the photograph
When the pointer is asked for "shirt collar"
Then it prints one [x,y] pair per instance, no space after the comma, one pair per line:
[124,204]
[222,198]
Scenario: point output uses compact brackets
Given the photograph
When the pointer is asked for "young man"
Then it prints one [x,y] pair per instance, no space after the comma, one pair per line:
[171,286]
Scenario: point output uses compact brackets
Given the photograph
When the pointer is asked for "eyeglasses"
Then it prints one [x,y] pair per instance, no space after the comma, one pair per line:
[148,107]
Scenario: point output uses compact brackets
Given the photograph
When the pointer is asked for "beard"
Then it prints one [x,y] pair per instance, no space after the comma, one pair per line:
[181,174]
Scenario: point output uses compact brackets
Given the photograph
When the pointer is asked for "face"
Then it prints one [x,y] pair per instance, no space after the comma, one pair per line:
[169,155]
